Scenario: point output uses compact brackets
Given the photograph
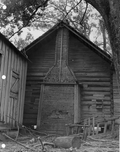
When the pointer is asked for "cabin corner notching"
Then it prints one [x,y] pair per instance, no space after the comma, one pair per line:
[68,80]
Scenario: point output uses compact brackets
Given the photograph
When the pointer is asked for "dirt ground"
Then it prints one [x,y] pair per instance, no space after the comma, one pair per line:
[32,144]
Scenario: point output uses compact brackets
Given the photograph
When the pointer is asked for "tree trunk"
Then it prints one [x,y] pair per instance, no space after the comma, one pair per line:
[110,11]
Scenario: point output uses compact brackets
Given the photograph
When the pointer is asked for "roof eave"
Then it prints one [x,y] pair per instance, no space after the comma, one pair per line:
[12,46]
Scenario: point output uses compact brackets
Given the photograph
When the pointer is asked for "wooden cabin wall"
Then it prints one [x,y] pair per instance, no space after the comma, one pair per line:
[116,96]
[12,89]
[42,59]
[93,74]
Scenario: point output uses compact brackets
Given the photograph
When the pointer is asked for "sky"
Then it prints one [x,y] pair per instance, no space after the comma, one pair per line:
[36,33]
[94,35]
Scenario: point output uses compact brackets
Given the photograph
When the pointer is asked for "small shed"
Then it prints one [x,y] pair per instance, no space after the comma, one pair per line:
[13,68]
[68,79]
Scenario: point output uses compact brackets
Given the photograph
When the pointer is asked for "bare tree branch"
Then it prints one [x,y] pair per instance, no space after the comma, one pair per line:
[58,8]
[19,143]
[16,32]
[72,9]
[74,24]
[30,18]
[84,13]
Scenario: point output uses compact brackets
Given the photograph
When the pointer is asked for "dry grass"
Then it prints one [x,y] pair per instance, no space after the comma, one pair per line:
[100,143]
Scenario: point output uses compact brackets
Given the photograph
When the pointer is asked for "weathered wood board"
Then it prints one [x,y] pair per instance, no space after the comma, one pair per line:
[58,60]
[94,74]
[12,89]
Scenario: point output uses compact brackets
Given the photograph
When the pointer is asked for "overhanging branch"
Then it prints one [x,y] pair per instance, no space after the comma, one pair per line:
[84,13]
[30,18]
[72,9]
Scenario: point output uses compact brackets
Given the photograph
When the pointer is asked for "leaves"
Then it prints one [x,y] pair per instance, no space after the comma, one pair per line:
[22,43]
[22,10]
[41,14]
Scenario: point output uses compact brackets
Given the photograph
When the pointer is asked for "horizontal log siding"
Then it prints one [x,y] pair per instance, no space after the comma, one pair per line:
[93,73]
[42,59]
[116,96]
[11,108]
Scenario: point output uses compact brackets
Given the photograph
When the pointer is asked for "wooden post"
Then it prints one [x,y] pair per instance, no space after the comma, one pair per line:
[93,121]
[76,104]
[67,130]
[119,137]
[105,127]
[113,125]
[40,105]
[111,93]
[89,129]
[97,131]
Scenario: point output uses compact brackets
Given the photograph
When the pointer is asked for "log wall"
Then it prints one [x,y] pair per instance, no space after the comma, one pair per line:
[42,59]
[116,96]
[12,89]
[93,74]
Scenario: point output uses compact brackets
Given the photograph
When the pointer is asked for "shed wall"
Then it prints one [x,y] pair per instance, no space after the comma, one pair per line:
[12,89]
[92,71]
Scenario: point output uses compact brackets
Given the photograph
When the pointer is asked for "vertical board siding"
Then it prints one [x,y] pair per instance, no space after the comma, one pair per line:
[42,59]
[116,96]
[20,89]
[23,92]
[4,82]
[19,95]
[10,62]
[8,78]
[93,74]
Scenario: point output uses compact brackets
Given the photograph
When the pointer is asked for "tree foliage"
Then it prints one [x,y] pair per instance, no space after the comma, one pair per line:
[21,12]
[83,17]
[45,13]
[17,15]
[110,11]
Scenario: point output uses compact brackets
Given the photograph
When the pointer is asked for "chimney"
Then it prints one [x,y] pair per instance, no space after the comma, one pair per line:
[60,72]
[60,94]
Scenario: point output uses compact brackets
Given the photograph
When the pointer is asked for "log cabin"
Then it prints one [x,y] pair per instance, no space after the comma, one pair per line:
[13,70]
[68,79]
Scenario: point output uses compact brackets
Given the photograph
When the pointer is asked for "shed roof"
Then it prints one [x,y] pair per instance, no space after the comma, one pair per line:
[12,46]
[86,41]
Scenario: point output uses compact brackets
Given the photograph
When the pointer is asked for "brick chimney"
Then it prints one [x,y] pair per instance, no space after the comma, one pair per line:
[60,72]
[59,99]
